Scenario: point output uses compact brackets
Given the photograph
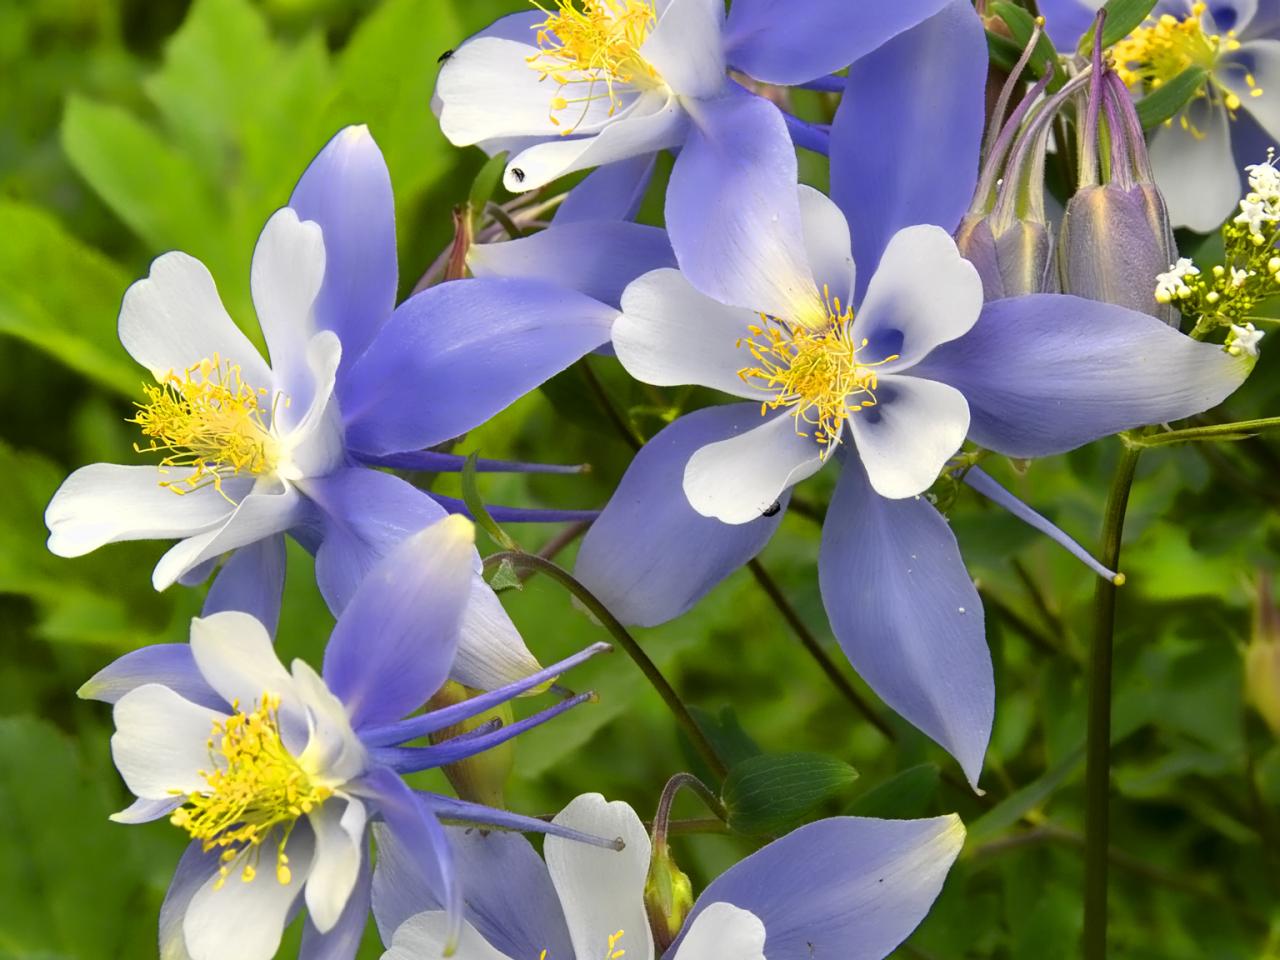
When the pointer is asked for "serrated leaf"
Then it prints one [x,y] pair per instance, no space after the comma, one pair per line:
[73,322]
[770,794]
[907,794]
[1157,107]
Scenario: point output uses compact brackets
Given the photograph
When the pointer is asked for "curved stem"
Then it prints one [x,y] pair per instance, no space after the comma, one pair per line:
[814,649]
[523,562]
[1098,745]
[1240,430]
[662,819]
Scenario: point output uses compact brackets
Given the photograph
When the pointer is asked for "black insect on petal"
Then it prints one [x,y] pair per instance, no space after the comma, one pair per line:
[772,509]
[444,56]
[518,174]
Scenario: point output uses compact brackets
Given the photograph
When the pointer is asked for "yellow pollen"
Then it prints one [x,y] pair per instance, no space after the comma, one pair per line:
[596,46]
[1164,47]
[255,787]
[210,420]
[612,951]
[817,374]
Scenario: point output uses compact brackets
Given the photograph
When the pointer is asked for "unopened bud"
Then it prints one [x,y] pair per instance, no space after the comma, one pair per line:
[1114,240]
[668,897]
[1262,659]
[480,778]
[1013,259]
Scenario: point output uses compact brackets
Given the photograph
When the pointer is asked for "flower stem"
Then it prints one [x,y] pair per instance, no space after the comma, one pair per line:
[1239,430]
[529,562]
[662,819]
[814,649]
[1098,745]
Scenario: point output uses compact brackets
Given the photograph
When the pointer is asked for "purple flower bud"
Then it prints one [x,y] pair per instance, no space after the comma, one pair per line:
[1013,259]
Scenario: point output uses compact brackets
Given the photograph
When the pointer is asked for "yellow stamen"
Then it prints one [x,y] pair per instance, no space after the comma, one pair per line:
[818,374]
[611,953]
[210,420]
[596,45]
[1162,48]
[256,788]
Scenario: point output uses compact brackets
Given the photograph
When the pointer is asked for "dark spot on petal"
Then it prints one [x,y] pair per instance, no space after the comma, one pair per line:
[772,509]
[518,174]
[444,56]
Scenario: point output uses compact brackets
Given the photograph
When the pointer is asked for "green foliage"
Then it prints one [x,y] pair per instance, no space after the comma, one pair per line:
[136,128]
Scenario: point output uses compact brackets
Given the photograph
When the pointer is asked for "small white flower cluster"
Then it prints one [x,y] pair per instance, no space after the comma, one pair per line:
[1172,285]
[1262,204]
[1243,339]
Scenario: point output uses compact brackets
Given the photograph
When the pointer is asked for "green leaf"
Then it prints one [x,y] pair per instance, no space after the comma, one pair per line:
[1157,107]
[1123,17]
[908,794]
[770,794]
[486,182]
[726,734]
[72,322]
[471,496]
[1021,26]
[155,189]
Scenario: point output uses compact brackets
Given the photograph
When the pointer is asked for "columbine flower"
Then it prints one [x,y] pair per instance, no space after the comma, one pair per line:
[275,774]
[241,451]
[1233,41]
[608,83]
[843,887]
[887,379]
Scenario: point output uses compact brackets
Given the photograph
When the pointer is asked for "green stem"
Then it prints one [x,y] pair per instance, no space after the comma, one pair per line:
[1218,431]
[814,649]
[530,562]
[682,781]
[1098,746]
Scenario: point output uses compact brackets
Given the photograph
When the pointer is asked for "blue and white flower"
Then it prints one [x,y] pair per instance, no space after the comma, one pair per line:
[249,450]
[846,887]
[276,773]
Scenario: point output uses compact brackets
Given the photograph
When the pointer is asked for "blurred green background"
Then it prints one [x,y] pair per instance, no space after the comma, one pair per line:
[130,128]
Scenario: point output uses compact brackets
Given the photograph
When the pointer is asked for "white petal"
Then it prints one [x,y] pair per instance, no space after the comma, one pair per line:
[911,432]
[314,446]
[738,479]
[161,742]
[339,829]
[1259,59]
[285,278]
[826,241]
[488,89]
[333,750]
[106,502]
[233,652]
[257,516]
[425,936]
[723,931]
[923,294]
[669,334]
[245,920]
[491,652]
[174,319]
[651,124]
[686,47]
[1197,174]
[602,890]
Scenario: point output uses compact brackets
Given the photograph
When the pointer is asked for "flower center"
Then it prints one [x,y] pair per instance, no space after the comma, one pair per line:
[255,786]
[208,419]
[588,51]
[816,373]
[1160,49]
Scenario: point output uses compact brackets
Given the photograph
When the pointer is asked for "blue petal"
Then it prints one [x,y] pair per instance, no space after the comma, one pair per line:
[365,513]
[597,258]
[168,664]
[905,140]
[1048,372]
[193,870]
[347,190]
[848,887]
[422,842]
[394,643]
[343,941]
[637,557]
[905,611]
[611,192]
[733,211]
[785,42]
[456,354]
[252,580]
